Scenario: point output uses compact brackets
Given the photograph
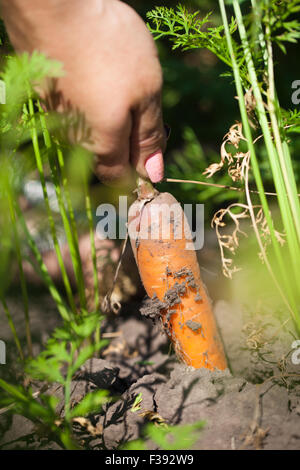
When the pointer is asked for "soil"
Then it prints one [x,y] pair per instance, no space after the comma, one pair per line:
[253,405]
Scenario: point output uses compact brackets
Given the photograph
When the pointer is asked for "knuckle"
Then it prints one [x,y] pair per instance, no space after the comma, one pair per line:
[149,81]
[110,173]
[154,139]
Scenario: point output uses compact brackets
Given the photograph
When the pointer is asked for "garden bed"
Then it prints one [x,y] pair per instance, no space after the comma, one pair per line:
[255,405]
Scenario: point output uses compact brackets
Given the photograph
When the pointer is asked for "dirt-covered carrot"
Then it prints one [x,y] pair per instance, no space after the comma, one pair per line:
[171,276]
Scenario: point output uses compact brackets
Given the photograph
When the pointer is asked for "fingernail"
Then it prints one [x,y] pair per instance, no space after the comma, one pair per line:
[155,166]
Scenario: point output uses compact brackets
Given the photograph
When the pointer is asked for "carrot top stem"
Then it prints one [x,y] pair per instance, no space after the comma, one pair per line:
[145,189]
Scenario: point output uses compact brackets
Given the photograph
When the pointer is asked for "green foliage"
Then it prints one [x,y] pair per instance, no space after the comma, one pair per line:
[22,74]
[178,437]
[283,28]
[91,403]
[41,411]
[291,125]
[166,437]
[23,122]
[188,31]
[65,352]
[23,402]
[56,356]
[175,437]
[137,403]
[250,57]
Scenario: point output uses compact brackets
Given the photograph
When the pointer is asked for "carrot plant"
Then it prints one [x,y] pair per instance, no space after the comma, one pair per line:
[261,138]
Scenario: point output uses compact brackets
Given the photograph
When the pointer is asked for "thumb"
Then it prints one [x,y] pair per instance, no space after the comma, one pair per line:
[148,142]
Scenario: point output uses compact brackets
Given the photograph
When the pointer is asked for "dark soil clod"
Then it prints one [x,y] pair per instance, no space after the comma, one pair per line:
[193,325]
[168,271]
[151,308]
[182,272]
[171,297]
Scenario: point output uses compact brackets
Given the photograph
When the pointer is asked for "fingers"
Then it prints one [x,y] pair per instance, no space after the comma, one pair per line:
[135,139]
[118,150]
[112,145]
[148,139]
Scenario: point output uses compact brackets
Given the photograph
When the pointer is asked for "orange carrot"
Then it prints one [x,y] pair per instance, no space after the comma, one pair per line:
[171,276]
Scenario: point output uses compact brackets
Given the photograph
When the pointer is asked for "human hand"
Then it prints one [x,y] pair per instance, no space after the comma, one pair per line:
[112,75]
